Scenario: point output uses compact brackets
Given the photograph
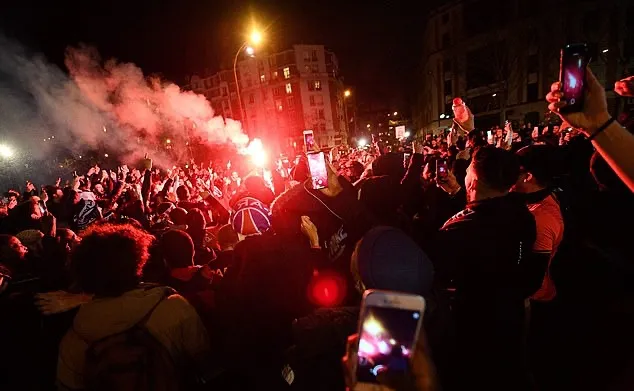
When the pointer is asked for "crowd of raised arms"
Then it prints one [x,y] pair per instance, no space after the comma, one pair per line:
[201,278]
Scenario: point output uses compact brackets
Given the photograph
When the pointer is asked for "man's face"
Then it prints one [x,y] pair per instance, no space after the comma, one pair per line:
[14,251]
[98,188]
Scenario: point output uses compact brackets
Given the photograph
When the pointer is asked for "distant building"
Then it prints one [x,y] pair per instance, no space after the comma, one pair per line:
[282,95]
[501,57]
[220,91]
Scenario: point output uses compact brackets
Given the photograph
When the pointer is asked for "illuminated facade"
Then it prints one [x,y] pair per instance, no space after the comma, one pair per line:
[282,95]
[501,57]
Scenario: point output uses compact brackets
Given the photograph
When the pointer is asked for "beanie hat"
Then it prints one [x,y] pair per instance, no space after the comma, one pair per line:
[251,217]
[386,258]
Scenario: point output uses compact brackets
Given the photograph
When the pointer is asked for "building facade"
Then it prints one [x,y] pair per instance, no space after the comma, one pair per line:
[283,94]
[501,57]
[220,91]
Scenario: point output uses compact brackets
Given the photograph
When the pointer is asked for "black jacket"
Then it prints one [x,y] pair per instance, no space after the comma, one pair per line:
[484,253]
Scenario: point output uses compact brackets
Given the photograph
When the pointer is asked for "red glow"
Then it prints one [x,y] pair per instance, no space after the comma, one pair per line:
[457,101]
[326,289]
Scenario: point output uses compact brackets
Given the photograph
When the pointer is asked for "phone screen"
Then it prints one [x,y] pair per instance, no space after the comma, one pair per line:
[572,74]
[318,172]
[386,341]
[406,157]
[441,169]
[309,141]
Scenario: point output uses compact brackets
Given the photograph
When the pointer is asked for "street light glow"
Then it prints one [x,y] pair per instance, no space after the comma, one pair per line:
[494,95]
[396,113]
[605,50]
[346,93]
[168,141]
[250,51]
[105,155]
[255,37]
[362,143]
[367,126]
[406,134]
[442,116]
[6,151]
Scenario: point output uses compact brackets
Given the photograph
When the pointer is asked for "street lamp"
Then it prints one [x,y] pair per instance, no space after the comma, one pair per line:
[395,113]
[254,38]
[442,116]
[347,93]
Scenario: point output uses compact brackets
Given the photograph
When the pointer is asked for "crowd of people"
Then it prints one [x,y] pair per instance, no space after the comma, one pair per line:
[200,278]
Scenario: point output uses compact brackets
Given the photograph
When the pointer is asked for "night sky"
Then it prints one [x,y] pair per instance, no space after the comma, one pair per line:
[378,43]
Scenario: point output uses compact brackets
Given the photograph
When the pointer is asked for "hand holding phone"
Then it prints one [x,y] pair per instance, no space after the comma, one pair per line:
[572,76]
[442,171]
[389,328]
[309,140]
[147,163]
[318,170]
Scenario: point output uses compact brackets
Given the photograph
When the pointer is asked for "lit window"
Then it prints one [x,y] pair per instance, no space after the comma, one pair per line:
[275,75]
[287,73]
[262,78]
[278,105]
[317,85]
[289,88]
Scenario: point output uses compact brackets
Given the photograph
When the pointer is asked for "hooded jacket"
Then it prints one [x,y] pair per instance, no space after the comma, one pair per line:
[174,323]
[340,220]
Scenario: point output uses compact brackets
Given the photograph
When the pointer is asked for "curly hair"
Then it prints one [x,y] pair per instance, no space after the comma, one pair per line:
[110,258]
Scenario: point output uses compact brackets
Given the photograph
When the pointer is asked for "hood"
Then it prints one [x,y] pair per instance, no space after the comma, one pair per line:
[290,205]
[107,316]
[296,199]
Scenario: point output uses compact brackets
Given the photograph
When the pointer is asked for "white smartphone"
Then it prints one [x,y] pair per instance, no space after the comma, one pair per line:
[318,170]
[389,325]
[489,137]
[309,140]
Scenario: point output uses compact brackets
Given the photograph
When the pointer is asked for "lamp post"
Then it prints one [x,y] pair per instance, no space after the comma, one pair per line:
[346,94]
[255,38]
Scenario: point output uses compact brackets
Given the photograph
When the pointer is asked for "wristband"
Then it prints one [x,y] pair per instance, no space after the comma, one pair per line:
[601,129]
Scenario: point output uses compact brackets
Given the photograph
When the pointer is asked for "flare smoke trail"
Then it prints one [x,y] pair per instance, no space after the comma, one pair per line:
[38,100]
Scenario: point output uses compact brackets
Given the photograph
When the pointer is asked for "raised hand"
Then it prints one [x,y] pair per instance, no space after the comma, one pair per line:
[595,106]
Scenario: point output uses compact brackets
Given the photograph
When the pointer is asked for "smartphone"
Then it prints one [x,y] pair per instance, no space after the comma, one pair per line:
[406,157]
[441,169]
[572,75]
[317,168]
[389,325]
[309,140]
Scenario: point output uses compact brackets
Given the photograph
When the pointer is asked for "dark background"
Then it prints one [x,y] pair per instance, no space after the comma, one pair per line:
[378,43]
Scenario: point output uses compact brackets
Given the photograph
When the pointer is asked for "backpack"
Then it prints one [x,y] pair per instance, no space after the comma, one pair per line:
[131,360]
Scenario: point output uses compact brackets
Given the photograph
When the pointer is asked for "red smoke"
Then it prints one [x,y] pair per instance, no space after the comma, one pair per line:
[148,107]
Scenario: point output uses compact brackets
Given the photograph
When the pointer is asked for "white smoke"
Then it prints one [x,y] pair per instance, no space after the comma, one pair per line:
[38,101]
